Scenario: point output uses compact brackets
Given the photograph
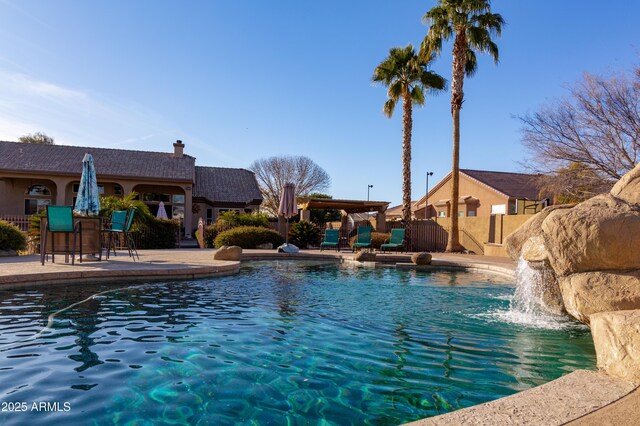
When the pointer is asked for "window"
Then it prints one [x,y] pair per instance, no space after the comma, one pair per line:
[37,197]
[178,212]
[461,213]
[471,213]
[498,208]
[209,216]
[178,198]
[442,213]
[38,190]
[117,190]
[152,196]
[33,206]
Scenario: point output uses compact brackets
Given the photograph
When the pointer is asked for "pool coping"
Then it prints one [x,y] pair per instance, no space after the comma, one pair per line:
[570,398]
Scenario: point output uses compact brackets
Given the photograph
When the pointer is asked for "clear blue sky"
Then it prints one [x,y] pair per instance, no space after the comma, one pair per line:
[239,80]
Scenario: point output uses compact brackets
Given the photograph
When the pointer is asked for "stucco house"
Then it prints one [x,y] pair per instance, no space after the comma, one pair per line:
[483,193]
[33,175]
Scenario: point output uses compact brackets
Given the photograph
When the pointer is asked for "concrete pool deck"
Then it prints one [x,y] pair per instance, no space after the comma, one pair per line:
[581,398]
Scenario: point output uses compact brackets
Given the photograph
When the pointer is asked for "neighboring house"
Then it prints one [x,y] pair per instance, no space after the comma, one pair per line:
[483,193]
[33,176]
[395,212]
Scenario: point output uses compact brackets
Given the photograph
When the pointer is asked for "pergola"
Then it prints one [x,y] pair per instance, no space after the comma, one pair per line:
[346,206]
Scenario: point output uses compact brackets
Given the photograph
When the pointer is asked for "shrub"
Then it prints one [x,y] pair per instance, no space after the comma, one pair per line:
[113,202]
[377,239]
[158,234]
[248,237]
[11,238]
[232,219]
[304,234]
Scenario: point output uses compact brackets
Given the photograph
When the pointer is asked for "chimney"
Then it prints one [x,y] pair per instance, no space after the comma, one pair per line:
[178,149]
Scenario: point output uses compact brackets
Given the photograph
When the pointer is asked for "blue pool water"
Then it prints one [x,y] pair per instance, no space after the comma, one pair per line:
[280,343]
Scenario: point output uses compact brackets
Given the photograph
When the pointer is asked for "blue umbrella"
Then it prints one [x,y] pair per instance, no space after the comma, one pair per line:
[88,200]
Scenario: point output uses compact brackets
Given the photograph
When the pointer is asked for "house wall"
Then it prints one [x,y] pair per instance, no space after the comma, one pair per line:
[12,194]
[486,196]
[200,211]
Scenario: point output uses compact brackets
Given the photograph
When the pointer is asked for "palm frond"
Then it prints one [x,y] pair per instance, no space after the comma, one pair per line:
[388,107]
[417,96]
[472,63]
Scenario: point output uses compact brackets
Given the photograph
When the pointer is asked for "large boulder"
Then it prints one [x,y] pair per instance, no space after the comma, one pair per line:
[422,258]
[365,256]
[588,293]
[627,189]
[599,234]
[228,253]
[616,337]
[531,228]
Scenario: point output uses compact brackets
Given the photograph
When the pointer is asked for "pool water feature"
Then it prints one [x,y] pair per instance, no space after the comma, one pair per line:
[280,343]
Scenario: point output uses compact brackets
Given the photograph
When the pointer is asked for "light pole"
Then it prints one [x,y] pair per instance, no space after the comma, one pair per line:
[426,195]
[368,188]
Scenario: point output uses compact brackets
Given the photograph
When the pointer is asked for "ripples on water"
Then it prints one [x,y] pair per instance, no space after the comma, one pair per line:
[284,342]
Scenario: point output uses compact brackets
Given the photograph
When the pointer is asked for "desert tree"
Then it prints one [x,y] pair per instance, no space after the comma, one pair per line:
[273,172]
[407,78]
[582,143]
[471,24]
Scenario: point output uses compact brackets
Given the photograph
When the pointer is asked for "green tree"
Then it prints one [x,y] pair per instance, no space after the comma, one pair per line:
[406,77]
[472,24]
[38,138]
[324,215]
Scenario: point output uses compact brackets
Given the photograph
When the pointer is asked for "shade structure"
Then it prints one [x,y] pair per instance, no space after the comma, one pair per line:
[288,206]
[88,200]
[162,212]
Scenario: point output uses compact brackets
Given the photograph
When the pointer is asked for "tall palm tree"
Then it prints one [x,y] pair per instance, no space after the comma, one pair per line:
[472,24]
[406,76]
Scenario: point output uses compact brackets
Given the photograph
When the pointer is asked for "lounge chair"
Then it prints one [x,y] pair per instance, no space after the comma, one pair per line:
[125,231]
[395,241]
[363,239]
[331,239]
[60,221]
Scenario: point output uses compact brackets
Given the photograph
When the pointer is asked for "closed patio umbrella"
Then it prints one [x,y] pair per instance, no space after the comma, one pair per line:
[162,212]
[288,206]
[88,200]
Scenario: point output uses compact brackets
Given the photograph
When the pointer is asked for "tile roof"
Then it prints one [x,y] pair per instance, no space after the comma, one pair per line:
[64,159]
[224,185]
[517,185]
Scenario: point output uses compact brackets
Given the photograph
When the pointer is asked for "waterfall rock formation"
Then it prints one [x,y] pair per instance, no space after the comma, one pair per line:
[591,250]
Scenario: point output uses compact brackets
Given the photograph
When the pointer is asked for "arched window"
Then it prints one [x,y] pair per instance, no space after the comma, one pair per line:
[36,198]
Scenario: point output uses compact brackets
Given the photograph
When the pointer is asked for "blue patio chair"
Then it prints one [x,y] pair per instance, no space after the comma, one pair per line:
[60,221]
[363,239]
[118,222]
[331,239]
[395,241]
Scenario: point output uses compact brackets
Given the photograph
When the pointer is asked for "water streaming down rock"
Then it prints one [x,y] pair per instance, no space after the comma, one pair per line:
[530,304]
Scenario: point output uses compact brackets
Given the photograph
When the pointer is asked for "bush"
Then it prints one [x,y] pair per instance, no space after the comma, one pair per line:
[304,234]
[158,234]
[11,238]
[377,239]
[248,237]
[232,219]
[113,202]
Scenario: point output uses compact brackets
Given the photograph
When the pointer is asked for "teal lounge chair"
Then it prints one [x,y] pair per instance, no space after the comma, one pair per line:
[60,221]
[395,241]
[363,239]
[331,239]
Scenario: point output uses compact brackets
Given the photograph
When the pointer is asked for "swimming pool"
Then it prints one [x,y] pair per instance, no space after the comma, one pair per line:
[282,342]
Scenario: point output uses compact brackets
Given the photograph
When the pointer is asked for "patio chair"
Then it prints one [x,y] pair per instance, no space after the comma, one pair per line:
[363,239]
[118,222]
[395,241]
[331,239]
[125,231]
[60,221]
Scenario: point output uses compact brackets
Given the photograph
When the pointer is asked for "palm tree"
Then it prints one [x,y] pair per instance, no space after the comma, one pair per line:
[406,76]
[472,24]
